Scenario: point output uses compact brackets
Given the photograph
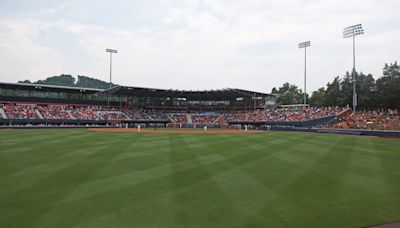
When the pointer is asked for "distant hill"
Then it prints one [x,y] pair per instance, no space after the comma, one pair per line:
[68,80]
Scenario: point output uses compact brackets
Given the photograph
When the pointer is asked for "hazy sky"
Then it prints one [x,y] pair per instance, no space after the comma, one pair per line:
[195,44]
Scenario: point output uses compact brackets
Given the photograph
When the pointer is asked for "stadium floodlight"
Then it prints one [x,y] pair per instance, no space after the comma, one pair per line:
[305,45]
[352,32]
[111,51]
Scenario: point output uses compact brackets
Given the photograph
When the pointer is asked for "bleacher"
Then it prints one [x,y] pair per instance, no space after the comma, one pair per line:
[136,115]
[204,118]
[334,117]
[21,111]
[54,112]
[113,115]
[370,120]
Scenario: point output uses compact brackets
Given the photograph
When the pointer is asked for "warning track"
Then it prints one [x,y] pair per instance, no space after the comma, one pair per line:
[175,131]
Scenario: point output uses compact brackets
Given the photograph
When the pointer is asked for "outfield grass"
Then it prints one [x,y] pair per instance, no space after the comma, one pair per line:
[79,178]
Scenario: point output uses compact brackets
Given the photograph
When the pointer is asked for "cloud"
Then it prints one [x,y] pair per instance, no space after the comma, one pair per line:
[197,44]
[21,57]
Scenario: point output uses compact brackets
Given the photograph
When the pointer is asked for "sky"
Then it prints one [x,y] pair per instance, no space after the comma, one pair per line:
[196,44]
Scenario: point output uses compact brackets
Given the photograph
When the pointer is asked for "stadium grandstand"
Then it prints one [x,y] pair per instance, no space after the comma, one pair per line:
[34,104]
[23,104]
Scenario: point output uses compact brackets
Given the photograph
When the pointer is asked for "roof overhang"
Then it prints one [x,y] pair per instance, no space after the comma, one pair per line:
[199,95]
[48,88]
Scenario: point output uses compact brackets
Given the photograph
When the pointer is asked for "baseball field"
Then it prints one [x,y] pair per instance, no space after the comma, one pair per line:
[82,178]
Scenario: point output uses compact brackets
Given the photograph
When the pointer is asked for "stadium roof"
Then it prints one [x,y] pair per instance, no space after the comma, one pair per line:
[47,88]
[199,95]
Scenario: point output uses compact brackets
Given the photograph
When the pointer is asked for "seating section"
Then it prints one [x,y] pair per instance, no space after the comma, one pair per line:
[21,111]
[3,114]
[137,115]
[55,112]
[204,119]
[157,115]
[284,114]
[86,113]
[246,116]
[221,120]
[378,119]
[98,113]
[113,115]
[60,112]
[179,118]
[371,120]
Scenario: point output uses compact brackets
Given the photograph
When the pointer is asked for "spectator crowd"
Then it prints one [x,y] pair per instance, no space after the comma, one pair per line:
[204,119]
[21,111]
[85,113]
[371,120]
[376,119]
[179,118]
[292,114]
[55,112]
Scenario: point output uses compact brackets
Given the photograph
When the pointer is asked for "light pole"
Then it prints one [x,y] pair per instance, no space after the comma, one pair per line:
[305,45]
[111,51]
[353,31]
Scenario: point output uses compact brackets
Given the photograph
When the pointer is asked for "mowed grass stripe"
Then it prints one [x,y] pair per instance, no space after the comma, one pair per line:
[56,186]
[288,209]
[272,181]
[40,150]
[232,189]
[78,178]
[153,169]
[389,163]
[41,165]
[153,192]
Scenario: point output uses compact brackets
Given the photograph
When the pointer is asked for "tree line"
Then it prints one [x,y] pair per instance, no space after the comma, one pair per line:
[68,80]
[371,94]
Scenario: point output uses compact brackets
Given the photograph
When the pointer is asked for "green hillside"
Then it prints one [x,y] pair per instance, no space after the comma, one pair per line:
[68,80]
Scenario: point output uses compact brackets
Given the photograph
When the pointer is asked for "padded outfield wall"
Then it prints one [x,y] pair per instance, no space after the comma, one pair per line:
[378,133]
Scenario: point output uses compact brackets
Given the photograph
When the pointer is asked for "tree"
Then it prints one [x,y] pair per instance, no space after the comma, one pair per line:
[68,80]
[332,95]
[318,98]
[62,80]
[345,96]
[371,94]
[365,86]
[388,87]
[366,98]
[88,82]
[24,81]
[288,94]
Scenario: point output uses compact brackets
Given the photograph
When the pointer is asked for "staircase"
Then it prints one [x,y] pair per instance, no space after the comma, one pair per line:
[344,113]
[3,113]
[99,115]
[216,121]
[70,114]
[148,116]
[39,114]
[332,121]
[189,118]
[171,119]
[127,116]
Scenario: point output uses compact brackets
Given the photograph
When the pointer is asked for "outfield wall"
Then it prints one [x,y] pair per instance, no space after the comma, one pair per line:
[379,133]
[306,123]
